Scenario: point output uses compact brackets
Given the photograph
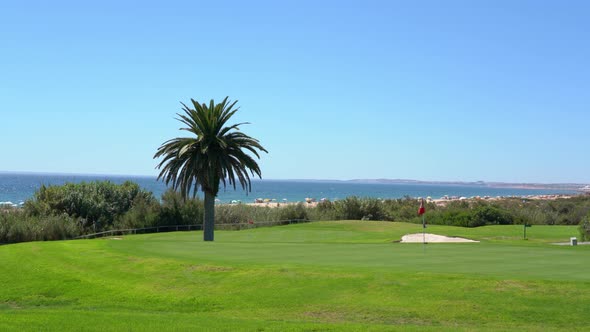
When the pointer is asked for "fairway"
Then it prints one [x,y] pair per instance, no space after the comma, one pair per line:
[321,276]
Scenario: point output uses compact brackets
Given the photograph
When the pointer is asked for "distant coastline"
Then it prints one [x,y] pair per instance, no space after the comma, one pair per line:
[484,184]
[546,186]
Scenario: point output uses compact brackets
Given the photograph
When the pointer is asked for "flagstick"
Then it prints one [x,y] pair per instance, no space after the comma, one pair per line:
[421,212]
[423,234]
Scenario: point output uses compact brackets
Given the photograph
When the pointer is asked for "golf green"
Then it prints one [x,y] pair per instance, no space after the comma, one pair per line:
[323,276]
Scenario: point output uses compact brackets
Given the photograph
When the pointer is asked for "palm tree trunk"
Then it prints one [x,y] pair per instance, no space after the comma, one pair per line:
[209,217]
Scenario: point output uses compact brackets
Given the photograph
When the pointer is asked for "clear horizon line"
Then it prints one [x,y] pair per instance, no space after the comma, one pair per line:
[292,179]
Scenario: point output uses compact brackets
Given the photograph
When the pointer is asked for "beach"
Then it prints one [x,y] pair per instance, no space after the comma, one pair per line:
[438,201]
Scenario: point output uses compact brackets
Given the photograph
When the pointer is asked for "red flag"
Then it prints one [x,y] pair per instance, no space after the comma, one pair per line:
[421,210]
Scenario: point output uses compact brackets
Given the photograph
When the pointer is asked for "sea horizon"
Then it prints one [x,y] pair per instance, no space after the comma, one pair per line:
[355,180]
[17,187]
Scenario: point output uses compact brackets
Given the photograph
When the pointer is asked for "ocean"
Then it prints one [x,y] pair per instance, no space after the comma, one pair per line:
[17,188]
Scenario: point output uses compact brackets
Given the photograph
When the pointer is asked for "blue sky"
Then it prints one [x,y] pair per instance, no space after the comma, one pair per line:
[429,90]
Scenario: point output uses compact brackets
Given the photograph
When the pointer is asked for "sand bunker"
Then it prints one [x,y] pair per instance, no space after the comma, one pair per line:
[432,238]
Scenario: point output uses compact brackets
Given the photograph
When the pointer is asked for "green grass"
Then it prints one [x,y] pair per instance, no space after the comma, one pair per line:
[325,276]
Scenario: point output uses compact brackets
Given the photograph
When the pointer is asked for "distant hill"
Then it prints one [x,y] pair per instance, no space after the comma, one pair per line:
[562,186]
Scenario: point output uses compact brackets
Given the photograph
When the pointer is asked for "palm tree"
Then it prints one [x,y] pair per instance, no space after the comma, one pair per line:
[215,153]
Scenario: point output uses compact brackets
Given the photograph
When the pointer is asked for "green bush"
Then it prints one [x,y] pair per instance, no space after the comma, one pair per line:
[584,229]
[349,208]
[58,228]
[235,214]
[18,227]
[451,217]
[96,204]
[489,215]
[372,209]
[324,210]
[404,209]
[177,211]
[292,212]
[144,212]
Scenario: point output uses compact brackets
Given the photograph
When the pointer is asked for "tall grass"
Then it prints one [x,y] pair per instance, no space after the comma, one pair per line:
[16,226]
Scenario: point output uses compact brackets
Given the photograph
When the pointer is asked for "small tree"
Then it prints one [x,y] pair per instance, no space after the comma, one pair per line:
[585,228]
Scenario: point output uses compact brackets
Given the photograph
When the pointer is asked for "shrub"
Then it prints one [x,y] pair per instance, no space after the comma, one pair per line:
[324,210]
[177,211]
[584,229]
[325,206]
[291,212]
[235,214]
[144,212]
[489,215]
[349,208]
[97,204]
[60,212]
[58,228]
[451,217]
[18,227]
[372,209]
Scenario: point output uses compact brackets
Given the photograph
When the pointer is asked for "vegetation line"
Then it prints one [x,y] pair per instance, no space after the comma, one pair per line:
[199,227]
[73,210]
